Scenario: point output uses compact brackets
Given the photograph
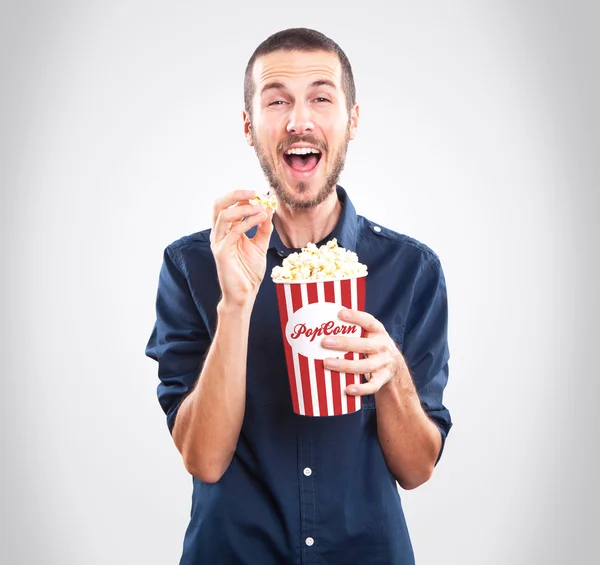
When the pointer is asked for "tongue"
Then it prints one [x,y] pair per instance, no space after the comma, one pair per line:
[303,162]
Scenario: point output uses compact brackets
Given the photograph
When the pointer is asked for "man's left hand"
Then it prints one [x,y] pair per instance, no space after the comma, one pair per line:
[383,359]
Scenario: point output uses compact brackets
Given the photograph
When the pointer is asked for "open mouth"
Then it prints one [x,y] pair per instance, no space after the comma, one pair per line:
[302,160]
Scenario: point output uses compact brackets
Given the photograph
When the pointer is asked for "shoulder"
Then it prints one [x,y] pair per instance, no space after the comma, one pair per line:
[200,239]
[394,243]
[195,244]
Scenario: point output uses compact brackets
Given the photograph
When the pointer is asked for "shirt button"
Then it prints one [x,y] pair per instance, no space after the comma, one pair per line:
[309,541]
[376,229]
[280,253]
[307,471]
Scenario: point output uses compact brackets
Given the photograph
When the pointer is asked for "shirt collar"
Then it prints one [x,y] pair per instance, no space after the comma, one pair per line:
[345,231]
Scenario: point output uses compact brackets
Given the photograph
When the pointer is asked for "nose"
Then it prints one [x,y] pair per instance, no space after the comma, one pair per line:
[300,120]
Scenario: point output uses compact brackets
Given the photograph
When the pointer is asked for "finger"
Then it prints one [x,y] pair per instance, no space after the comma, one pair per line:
[265,229]
[247,223]
[230,199]
[367,345]
[238,230]
[230,217]
[363,319]
[363,389]
[358,367]
[238,212]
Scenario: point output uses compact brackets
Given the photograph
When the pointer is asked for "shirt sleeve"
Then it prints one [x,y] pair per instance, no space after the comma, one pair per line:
[180,338]
[425,345]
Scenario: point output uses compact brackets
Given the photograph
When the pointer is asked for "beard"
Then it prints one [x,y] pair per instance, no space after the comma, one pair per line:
[276,182]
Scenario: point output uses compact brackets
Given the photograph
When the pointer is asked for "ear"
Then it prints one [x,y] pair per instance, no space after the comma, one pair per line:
[247,128]
[354,121]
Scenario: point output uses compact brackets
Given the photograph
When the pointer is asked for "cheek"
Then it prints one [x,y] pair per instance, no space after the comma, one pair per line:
[268,132]
[334,129]
[335,140]
[263,137]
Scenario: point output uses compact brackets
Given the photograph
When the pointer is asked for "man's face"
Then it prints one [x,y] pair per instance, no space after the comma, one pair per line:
[300,126]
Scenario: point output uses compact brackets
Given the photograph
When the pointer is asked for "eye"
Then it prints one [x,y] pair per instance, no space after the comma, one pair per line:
[277,103]
[322,99]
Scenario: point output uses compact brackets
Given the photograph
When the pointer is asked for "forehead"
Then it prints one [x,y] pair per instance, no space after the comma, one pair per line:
[296,67]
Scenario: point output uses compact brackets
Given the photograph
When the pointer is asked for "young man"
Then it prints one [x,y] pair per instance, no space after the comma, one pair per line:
[270,486]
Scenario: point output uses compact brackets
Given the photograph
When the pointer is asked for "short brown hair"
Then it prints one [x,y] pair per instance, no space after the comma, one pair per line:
[300,39]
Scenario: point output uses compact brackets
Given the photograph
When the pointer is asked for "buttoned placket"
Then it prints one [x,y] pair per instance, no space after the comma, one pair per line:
[308,499]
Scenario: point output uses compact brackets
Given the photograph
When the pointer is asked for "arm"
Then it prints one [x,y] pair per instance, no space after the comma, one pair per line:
[412,422]
[410,441]
[209,419]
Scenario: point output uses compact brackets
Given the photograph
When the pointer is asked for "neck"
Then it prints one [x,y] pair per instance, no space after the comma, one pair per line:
[296,228]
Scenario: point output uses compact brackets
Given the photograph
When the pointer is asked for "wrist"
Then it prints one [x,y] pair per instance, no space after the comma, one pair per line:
[400,381]
[237,310]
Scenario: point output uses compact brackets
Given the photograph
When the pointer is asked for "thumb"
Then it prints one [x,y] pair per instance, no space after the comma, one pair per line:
[264,231]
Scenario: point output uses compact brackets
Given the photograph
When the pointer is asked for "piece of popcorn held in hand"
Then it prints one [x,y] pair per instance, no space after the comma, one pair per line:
[265,200]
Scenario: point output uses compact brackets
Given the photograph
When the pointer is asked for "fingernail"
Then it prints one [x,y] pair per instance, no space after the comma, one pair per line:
[352,390]
[332,364]
[345,314]
[329,341]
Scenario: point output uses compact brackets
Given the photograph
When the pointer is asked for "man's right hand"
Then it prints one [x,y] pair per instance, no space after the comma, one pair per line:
[241,261]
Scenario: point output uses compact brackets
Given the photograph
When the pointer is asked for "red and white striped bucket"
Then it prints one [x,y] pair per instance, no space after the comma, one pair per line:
[309,312]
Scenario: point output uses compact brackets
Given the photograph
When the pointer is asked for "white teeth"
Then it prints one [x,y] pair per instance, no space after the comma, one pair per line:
[302,151]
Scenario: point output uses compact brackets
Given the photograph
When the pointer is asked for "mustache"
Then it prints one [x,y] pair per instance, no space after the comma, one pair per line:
[284,145]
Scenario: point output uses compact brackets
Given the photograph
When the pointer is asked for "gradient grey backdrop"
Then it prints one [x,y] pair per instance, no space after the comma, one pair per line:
[121,122]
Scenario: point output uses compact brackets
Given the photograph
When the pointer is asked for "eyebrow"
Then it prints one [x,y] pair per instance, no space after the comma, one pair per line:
[323,82]
[281,86]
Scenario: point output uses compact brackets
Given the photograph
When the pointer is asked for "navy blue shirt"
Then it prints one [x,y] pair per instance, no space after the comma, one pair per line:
[300,489]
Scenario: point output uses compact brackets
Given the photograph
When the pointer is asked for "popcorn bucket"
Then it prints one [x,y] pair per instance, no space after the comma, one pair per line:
[309,312]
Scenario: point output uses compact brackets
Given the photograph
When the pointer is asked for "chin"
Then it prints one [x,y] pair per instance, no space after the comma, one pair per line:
[304,195]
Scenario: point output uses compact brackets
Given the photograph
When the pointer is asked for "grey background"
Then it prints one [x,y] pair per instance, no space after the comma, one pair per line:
[120,123]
